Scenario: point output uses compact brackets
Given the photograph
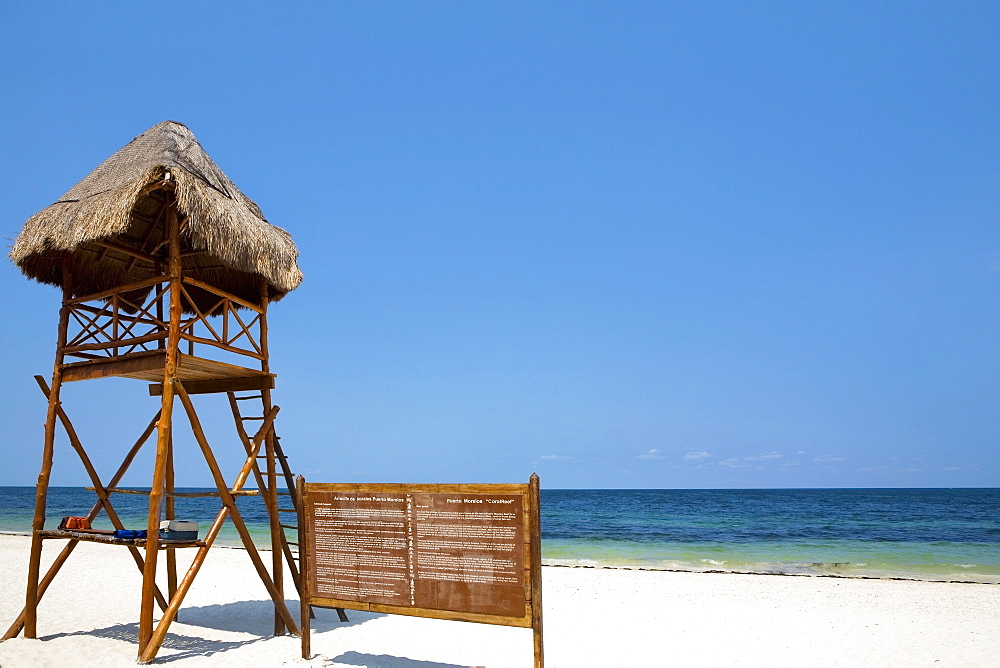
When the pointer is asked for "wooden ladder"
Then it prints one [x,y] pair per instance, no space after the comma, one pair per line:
[282,505]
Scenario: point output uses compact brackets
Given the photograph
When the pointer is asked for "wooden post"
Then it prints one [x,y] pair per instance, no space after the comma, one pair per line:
[535,524]
[271,499]
[42,487]
[163,430]
[305,608]
[159,306]
[170,515]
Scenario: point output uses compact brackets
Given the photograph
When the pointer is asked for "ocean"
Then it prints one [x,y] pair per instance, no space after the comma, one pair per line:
[926,534]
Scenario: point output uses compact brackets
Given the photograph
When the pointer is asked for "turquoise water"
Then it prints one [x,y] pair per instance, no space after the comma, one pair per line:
[933,534]
[17,507]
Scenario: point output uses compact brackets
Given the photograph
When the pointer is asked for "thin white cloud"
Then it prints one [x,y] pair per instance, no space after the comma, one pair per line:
[734,463]
[554,457]
[652,453]
[752,460]
[828,459]
[764,456]
[696,456]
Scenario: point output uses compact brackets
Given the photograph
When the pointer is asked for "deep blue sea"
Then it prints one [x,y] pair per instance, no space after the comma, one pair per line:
[931,534]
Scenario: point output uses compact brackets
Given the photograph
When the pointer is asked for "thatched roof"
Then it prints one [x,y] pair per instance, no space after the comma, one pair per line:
[226,241]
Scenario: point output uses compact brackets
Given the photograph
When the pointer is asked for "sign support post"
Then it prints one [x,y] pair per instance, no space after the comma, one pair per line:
[535,570]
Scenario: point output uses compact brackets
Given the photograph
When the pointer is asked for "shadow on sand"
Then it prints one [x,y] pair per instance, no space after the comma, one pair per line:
[185,646]
[257,617]
[252,617]
[387,661]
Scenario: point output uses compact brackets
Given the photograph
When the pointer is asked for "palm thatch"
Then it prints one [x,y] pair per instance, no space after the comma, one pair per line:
[112,224]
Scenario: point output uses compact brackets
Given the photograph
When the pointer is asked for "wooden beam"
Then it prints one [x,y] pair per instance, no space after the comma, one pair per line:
[170,509]
[215,343]
[138,255]
[199,316]
[245,330]
[120,343]
[114,366]
[157,185]
[222,293]
[179,495]
[90,327]
[104,311]
[249,383]
[138,285]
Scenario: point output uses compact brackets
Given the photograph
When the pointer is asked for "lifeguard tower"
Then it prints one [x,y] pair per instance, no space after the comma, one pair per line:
[167,271]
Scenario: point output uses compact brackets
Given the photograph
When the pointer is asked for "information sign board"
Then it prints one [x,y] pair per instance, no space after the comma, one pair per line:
[462,552]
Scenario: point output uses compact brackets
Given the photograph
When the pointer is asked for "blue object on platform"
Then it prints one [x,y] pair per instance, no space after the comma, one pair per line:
[130,533]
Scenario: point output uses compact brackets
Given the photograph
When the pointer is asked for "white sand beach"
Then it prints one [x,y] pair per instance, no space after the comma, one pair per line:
[592,617]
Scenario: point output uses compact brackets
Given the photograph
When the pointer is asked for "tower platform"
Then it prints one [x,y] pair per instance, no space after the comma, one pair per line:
[199,375]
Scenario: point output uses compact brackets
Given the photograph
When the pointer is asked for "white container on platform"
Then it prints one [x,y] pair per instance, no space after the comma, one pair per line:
[178,530]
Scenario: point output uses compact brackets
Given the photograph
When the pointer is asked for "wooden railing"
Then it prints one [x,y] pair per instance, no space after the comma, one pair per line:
[110,324]
[230,327]
[108,329]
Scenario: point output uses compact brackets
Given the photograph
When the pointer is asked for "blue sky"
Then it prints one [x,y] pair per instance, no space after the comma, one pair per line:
[620,244]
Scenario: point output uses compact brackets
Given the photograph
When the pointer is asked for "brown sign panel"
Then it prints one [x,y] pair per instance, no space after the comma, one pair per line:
[443,551]
[465,552]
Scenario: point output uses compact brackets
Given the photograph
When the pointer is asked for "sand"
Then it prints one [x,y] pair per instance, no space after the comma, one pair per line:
[593,617]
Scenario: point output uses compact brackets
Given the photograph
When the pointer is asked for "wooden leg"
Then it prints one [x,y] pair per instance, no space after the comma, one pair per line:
[38,523]
[227,499]
[171,554]
[153,646]
[277,562]
[153,518]
[32,593]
